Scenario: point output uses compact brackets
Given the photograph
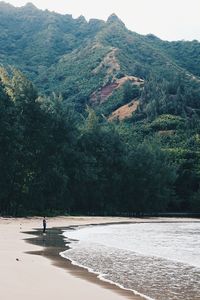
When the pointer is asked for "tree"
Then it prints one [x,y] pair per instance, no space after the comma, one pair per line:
[148,179]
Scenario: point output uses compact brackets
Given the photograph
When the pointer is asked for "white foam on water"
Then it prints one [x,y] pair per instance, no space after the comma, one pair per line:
[174,241]
[101,276]
[157,261]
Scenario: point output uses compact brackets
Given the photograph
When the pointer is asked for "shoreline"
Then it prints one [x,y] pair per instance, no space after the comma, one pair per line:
[53,251]
[25,275]
[32,269]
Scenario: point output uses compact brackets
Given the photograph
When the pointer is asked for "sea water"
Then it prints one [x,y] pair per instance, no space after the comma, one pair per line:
[157,260]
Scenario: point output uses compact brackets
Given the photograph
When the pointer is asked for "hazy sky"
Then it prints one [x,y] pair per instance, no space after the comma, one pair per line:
[168,19]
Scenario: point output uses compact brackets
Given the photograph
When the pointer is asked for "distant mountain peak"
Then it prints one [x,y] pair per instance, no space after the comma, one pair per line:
[4,4]
[9,7]
[114,19]
[30,5]
[81,19]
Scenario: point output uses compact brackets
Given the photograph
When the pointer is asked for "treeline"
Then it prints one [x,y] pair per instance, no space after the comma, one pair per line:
[54,160]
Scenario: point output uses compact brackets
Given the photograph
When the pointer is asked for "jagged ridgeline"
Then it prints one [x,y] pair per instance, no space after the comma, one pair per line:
[101,63]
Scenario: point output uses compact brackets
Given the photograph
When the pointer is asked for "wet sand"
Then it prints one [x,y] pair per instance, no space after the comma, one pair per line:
[53,243]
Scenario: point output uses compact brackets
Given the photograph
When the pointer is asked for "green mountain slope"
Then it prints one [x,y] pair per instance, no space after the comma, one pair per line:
[33,39]
[185,53]
[83,60]
[135,147]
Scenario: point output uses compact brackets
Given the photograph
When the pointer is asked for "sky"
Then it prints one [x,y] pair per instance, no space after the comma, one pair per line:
[167,19]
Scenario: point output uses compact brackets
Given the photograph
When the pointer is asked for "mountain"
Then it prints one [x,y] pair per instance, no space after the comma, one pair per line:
[111,124]
[87,61]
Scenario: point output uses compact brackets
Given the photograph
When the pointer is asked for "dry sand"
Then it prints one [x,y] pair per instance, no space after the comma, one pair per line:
[27,276]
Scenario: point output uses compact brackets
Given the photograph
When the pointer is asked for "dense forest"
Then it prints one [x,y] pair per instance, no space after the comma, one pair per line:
[61,80]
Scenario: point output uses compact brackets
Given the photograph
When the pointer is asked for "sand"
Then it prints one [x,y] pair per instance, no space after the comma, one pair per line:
[28,276]
[24,276]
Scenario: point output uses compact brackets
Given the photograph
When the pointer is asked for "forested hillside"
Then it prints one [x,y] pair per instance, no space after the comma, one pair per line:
[95,118]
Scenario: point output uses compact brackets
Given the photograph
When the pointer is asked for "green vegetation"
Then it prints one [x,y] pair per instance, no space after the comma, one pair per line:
[59,153]
[54,159]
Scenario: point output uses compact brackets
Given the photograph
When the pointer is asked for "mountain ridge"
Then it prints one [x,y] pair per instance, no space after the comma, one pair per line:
[79,58]
[110,124]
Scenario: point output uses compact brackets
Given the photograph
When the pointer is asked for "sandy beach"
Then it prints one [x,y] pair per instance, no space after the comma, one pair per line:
[25,275]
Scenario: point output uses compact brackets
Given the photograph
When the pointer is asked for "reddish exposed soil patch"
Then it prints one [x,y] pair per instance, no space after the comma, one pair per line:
[124,111]
[106,91]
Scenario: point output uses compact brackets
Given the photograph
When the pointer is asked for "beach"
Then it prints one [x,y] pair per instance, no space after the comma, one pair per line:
[29,276]
[31,267]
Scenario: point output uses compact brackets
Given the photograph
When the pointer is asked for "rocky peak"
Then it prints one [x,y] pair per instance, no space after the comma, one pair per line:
[29,6]
[114,19]
[81,19]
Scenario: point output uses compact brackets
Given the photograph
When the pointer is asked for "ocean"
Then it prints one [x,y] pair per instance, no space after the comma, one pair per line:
[156,260]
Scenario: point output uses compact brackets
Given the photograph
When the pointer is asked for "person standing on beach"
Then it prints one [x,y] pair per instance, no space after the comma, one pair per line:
[44,225]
